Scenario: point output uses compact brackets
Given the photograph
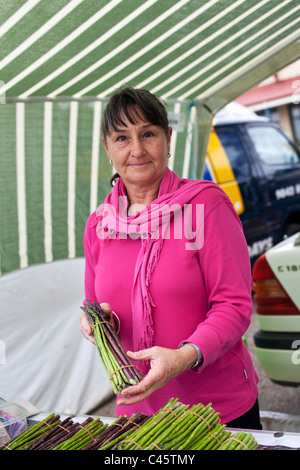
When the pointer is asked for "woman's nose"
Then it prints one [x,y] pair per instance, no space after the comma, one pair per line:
[137,148]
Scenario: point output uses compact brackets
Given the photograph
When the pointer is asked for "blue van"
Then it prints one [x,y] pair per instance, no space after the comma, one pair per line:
[258,166]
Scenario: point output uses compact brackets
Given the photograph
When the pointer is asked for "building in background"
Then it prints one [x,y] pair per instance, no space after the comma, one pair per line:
[278,98]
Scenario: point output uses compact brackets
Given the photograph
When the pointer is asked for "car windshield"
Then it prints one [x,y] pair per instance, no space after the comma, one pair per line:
[272,146]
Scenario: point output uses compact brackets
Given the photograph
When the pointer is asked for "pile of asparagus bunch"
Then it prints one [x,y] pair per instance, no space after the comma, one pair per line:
[116,363]
[52,433]
[178,427]
[175,426]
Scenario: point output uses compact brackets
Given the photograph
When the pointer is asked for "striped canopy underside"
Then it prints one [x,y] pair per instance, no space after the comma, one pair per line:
[62,59]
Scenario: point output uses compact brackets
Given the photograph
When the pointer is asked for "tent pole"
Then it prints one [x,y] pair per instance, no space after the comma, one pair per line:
[203,122]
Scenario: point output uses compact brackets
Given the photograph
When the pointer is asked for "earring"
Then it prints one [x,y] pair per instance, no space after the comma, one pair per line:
[169,155]
[111,162]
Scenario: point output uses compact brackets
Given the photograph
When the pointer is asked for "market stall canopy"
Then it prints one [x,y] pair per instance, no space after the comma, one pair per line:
[183,50]
[60,61]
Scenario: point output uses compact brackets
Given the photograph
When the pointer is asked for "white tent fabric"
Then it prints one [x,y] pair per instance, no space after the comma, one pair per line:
[45,358]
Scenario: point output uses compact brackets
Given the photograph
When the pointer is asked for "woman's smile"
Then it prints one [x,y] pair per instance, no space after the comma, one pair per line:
[139,164]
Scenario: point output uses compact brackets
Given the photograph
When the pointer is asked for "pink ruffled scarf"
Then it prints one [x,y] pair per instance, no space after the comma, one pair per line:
[113,223]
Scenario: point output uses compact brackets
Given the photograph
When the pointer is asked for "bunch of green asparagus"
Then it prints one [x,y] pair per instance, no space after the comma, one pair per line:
[116,362]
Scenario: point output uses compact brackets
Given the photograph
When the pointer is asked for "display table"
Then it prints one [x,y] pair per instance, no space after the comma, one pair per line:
[267,440]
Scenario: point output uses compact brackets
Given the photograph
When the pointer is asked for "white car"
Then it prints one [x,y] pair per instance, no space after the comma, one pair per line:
[277,296]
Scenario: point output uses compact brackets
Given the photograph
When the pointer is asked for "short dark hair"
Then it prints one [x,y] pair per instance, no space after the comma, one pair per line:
[128,102]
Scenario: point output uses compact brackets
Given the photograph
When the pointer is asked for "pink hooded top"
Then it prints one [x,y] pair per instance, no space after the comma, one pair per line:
[188,280]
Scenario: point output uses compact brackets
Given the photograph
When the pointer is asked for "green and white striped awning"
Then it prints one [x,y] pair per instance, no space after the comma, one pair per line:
[182,50]
[62,59]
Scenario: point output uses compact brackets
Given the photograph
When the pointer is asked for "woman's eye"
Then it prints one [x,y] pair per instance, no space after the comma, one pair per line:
[148,134]
[121,138]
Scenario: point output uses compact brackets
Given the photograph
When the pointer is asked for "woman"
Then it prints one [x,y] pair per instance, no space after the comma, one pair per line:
[170,258]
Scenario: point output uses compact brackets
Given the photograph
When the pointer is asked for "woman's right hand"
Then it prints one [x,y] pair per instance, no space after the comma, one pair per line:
[84,325]
[85,328]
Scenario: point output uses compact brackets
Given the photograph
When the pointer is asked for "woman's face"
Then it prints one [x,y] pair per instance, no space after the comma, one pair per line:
[139,152]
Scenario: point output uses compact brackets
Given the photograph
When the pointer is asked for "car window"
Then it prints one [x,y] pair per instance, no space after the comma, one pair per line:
[272,146]
[235,152]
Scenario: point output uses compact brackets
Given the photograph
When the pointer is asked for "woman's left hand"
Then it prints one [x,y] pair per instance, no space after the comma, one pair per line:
[166,364]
